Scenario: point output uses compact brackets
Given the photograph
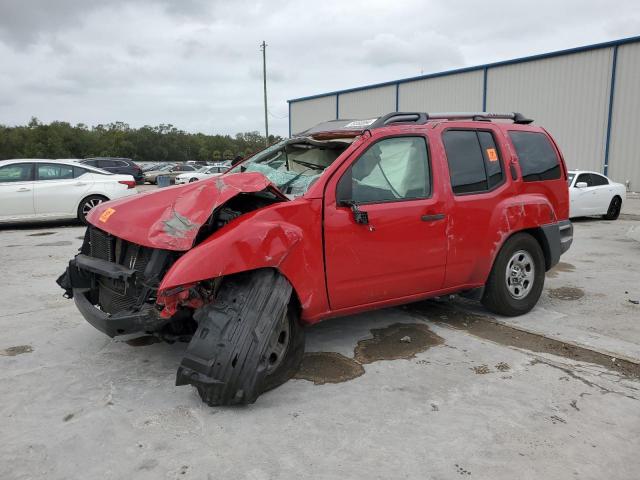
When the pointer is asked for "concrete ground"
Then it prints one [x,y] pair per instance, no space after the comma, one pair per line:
[76,404]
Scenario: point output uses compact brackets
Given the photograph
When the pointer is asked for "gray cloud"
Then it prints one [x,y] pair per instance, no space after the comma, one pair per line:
[196,63]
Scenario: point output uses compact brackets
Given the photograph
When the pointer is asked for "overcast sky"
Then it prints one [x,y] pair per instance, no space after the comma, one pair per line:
[197,64]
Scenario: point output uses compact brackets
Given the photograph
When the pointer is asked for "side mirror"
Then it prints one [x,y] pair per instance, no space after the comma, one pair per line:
[359,216]
[581,185]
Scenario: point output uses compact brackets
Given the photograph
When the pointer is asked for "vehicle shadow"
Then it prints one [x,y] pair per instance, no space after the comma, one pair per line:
[44,224]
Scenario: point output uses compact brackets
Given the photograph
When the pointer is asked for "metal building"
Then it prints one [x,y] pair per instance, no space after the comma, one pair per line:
[587,97]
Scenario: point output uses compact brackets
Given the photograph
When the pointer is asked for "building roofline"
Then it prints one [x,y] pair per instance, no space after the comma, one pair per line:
[540,56]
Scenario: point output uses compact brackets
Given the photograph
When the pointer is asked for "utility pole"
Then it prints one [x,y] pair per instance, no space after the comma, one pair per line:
[263,47]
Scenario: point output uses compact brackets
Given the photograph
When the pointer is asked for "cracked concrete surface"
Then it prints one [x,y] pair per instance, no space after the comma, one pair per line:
[76,404]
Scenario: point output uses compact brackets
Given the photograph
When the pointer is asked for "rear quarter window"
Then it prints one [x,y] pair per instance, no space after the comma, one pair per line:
[537,157]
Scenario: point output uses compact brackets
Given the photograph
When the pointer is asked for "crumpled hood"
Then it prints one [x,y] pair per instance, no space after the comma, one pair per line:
[170,218]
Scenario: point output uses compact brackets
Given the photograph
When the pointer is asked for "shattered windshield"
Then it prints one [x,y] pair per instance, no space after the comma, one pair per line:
[293,165]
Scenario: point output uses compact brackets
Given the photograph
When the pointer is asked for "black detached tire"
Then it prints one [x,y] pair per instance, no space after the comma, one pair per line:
[87,204]
[613,212]
[249,340]
[517,277]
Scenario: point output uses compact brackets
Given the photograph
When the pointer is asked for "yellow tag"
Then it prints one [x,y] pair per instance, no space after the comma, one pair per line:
[104,216]
[492,154]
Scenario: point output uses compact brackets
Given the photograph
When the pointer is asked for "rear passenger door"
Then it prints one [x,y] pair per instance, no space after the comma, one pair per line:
[58,189]
[603,193]
[478,182]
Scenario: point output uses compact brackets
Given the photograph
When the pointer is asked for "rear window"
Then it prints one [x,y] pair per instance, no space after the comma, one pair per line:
[538,159]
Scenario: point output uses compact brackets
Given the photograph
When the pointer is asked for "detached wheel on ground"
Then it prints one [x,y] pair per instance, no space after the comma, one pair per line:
[249,340]
[517,277]
[613,212]
[87,204]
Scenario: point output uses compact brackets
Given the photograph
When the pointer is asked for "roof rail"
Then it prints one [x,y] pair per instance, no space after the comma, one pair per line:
[420,118]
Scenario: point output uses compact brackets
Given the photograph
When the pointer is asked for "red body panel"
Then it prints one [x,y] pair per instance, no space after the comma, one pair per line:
[170,218]
[335,265]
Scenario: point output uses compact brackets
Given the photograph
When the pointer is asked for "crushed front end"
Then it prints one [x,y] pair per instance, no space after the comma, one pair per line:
[114,283]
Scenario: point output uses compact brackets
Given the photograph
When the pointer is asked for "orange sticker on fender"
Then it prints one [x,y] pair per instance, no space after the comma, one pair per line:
[104,216]
[492,154]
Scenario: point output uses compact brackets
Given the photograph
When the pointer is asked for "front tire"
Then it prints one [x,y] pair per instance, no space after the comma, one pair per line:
[613,212]
[87,204]
[517,277]
[191,180]
[248,341]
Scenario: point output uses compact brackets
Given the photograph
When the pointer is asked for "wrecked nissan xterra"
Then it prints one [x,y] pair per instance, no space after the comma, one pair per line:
[345,217]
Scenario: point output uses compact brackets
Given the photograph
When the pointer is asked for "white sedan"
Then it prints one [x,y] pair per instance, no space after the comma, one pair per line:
[594,194]
[38,189]
[204,172]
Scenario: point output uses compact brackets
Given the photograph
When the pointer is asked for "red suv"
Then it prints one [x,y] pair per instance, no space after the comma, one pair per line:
[348,216]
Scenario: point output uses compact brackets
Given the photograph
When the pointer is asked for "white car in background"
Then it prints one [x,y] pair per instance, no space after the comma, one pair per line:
[204,172]
[592,193]
[42,189]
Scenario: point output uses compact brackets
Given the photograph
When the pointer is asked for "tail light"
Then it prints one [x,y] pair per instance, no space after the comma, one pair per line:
[128,183]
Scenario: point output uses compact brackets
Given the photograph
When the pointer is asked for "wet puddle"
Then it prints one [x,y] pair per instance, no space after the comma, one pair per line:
[328,367]
[397,341]
[54,244]
[143,341]
[40,234]
[18,350]
[566,293]
[401,340]
[561,267]
[486,327]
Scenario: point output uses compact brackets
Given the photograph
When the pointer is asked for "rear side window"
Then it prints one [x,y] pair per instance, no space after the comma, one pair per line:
[538,159]
[50,171]
[79,171]
[474,162]
[598,180]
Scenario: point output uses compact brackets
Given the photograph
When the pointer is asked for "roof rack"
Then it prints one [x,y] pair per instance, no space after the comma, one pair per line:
[420,118]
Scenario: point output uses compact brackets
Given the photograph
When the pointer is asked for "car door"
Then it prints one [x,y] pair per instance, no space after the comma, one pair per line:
[58,189]
[16,191]
[391,242]
[603,193]
[583,200]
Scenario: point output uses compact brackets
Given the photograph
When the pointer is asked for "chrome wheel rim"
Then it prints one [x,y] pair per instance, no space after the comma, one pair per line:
[520,274]
[278,344]
[89,204]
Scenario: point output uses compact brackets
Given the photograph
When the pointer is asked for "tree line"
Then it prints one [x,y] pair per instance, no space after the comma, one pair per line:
[145,144]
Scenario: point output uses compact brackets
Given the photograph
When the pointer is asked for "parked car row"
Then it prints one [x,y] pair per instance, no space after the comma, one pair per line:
[43,189]
[204,172]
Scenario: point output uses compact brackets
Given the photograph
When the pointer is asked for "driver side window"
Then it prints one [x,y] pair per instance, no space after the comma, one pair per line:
[390,170]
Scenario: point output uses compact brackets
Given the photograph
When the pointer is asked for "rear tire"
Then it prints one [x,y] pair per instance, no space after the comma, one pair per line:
[248,341]
[613,212]
[87,204]
[517,277]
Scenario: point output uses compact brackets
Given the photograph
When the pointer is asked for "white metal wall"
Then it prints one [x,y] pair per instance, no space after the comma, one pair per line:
[568,95]
[368,103]
[624,144]
[460,92]
[308,113]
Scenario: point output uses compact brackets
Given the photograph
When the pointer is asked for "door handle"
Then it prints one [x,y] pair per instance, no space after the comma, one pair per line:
[432,218]
[79,184]
[23,189]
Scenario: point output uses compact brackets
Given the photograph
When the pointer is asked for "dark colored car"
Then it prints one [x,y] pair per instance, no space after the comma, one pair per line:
[116,165]
[343,218]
